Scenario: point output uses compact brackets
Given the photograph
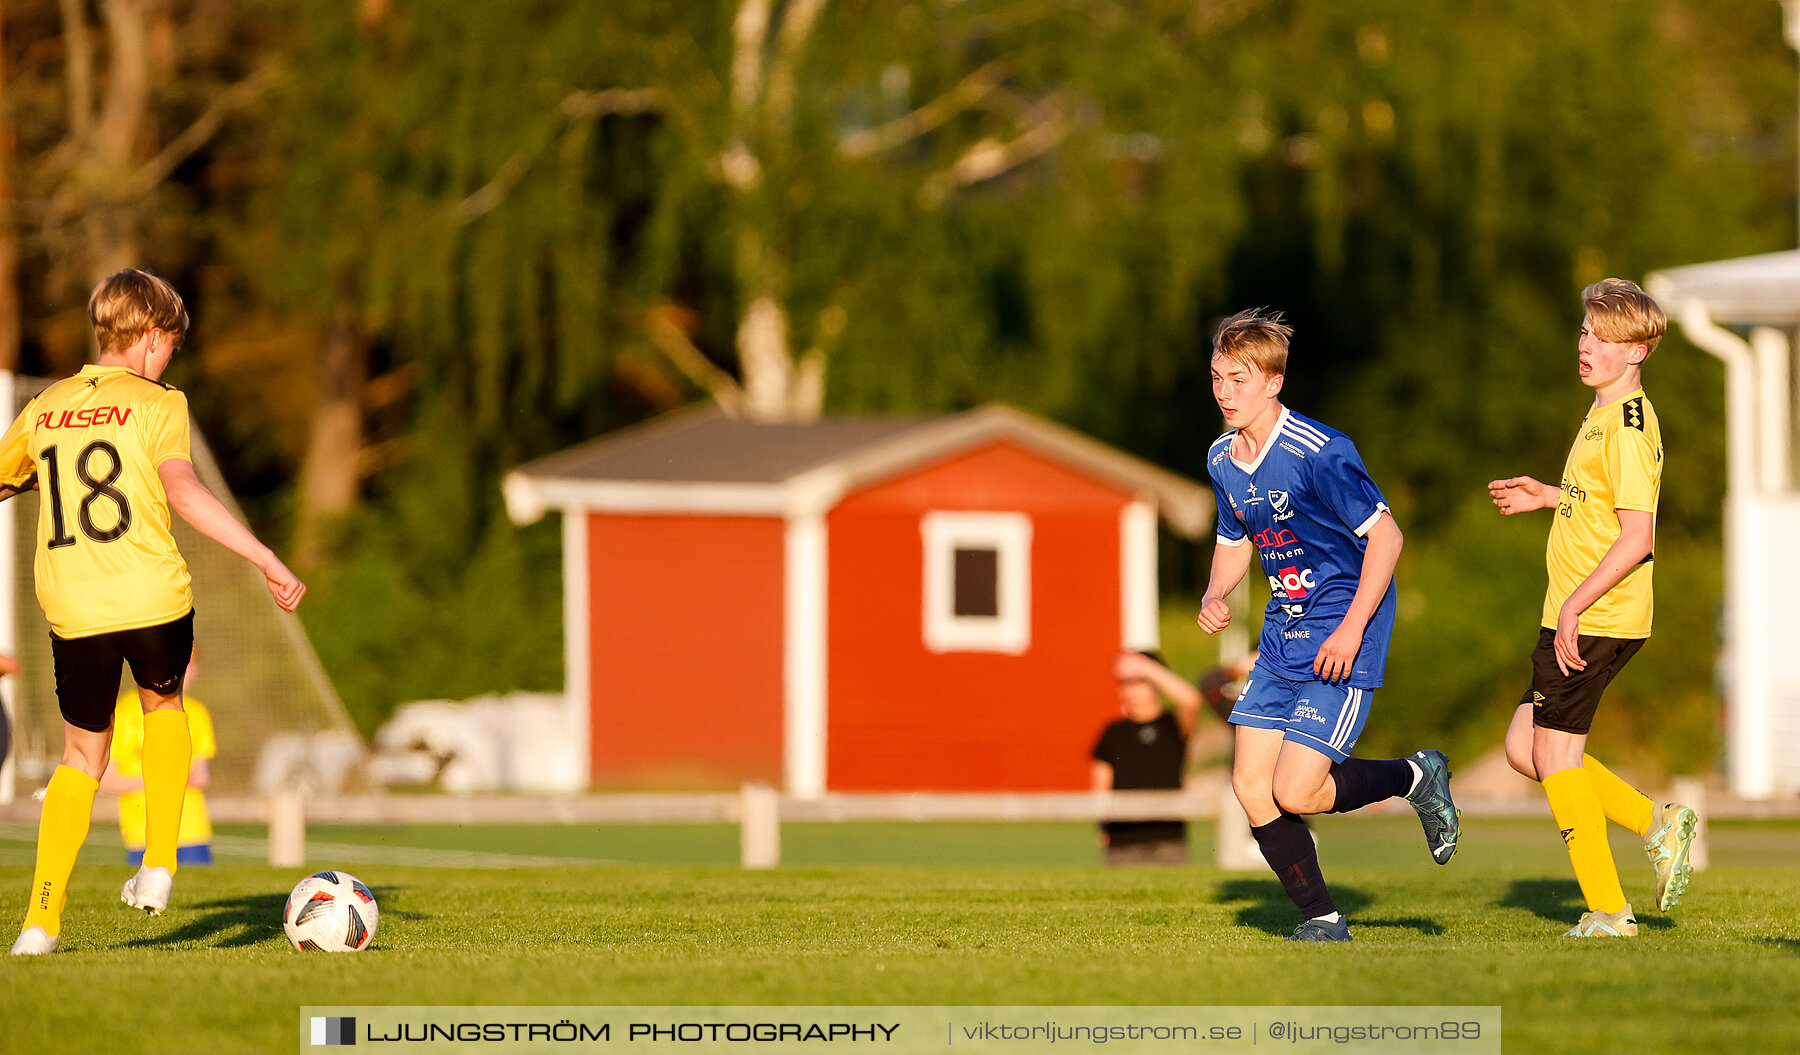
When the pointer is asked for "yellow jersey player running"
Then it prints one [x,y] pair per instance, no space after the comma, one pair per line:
[107,450]
[1597,610]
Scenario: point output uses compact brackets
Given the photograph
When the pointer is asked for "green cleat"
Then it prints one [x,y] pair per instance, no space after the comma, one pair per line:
[1620,924]
[1322,930]
[1431,798]
[1671,836]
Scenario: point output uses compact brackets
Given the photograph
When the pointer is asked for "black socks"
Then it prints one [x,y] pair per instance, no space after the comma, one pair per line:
[1288,847]
[1361,781]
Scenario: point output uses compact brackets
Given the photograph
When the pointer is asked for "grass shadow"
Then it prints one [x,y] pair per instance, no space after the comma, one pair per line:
[1272,911]
[1559,901]
[1790,944]
[230,923]
[234,923]
[1419,923]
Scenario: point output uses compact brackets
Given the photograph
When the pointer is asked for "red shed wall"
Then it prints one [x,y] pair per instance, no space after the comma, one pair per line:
[685,649]
[902,717]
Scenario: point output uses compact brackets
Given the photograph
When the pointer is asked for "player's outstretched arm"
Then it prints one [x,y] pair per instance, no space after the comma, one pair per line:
[1228,568]
[1522,494]
[207,515]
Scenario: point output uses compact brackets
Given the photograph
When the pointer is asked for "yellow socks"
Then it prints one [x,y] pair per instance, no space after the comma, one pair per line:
[1583,823]
[62,828]
[1624,804]
[168,751]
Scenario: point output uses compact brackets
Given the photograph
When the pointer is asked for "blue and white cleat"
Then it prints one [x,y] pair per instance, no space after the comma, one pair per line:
[1671,836]
[1437,812]
[1322,930]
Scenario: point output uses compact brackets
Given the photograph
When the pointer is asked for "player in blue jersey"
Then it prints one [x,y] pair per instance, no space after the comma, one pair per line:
[1327,542]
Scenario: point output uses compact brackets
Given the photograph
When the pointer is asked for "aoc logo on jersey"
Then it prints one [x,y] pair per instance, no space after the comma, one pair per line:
[1293,581]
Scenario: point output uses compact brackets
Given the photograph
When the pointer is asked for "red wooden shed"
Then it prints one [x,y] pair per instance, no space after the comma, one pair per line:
[853,604]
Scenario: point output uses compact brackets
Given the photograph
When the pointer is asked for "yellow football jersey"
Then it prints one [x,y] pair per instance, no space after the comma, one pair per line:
[128,756]
[105,558]
[1616,463]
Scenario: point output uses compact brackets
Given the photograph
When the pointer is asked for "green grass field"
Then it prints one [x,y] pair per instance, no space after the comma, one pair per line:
[914,914]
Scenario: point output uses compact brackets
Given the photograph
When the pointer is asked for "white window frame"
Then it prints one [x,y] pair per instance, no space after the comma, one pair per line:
[1009,534]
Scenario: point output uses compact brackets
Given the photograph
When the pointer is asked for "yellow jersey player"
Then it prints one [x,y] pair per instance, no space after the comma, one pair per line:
[1597,610]
[107,451]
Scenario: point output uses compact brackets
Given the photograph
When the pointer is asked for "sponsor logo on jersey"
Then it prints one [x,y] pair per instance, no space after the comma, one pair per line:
[81,419]
[1221,456]
[1297,635]
[1311,714]
[1269,538]
[1572,493]
[1293,581]
[1594,433]
[1291,449]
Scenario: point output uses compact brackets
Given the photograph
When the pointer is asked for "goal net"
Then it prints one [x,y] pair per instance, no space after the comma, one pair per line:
[278,721]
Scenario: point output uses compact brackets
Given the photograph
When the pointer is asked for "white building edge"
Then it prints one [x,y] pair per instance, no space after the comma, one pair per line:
[1758,296]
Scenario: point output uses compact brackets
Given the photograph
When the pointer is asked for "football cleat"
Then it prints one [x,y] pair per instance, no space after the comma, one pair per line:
[149,890]
[1322,930]
[1671,836]
[33,942]
[1437,812]
[1620,924]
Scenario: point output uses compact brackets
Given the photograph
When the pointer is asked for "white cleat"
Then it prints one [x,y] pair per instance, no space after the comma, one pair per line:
[33,942]
[149,890]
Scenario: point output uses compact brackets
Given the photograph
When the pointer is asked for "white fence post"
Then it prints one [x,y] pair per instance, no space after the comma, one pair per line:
[759,826]
[1236,849]
[287,830]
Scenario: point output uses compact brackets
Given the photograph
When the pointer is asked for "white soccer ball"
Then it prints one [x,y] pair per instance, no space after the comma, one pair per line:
[330,912]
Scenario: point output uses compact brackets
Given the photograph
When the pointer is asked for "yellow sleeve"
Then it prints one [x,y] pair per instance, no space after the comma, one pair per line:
[16,464]
[128,736]
[168,436]
[1635,462]
[200,729]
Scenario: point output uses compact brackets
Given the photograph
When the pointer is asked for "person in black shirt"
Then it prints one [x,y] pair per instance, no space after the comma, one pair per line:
[1146,749]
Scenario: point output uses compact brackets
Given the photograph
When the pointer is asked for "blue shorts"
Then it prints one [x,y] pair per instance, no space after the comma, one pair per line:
[1325,717]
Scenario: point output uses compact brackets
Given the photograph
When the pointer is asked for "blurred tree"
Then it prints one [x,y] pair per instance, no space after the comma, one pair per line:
[99,122]
[480,232]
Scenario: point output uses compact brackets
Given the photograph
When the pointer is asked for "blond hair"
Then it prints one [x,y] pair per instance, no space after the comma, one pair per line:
[130,303]
[1618,311]
[1257,338]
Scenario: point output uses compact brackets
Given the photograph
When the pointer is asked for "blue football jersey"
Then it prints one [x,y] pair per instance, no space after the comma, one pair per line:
[1306,502]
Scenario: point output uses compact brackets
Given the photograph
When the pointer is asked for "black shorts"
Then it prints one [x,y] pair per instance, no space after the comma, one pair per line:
[87,668]
[1568,704]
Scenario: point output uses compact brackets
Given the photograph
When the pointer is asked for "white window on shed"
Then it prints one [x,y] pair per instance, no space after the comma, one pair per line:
[977,582]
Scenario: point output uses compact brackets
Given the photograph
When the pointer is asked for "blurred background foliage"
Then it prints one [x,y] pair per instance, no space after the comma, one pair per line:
[426,240]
